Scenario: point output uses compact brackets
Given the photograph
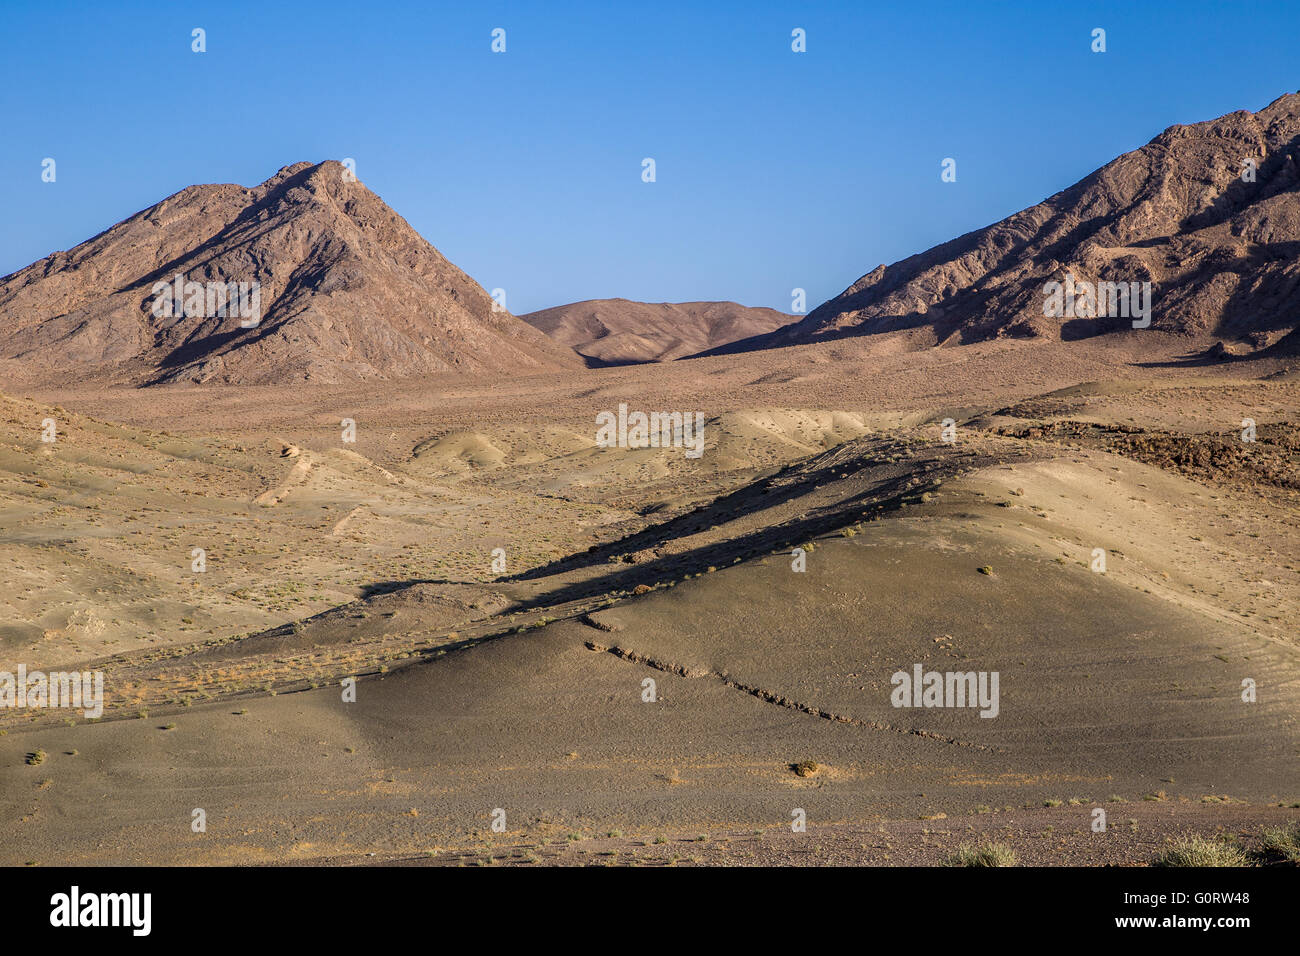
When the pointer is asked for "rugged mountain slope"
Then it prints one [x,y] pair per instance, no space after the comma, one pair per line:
[348,291]
[618,331]
[1222,253]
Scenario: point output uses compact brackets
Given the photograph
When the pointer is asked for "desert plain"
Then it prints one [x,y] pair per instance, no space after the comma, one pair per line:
[373,591]
[524,691]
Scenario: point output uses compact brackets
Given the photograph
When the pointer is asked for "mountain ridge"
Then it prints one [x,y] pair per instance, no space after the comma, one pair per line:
[349,292]
[1220,251]
[623,331]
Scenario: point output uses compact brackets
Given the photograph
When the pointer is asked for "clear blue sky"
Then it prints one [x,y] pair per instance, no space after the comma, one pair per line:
[775,169]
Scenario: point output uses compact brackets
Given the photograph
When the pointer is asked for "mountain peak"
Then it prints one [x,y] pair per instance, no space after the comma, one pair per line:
[346,290]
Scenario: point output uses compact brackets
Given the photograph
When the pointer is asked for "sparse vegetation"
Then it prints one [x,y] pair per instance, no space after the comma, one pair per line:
[983,854]
[1281,843]
[1194,850]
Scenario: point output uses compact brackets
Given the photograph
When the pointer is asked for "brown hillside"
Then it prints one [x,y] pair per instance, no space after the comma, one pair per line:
[622,332]
[348,292]
[1222,254]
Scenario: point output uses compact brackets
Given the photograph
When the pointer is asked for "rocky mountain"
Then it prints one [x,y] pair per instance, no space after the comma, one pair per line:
[622,332]
[309,277]
[1208,214]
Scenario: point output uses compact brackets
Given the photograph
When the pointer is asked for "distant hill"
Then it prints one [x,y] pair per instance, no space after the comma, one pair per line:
[621,332]
[348,292]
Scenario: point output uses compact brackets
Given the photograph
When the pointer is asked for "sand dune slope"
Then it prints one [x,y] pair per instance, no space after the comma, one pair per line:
[1110,687]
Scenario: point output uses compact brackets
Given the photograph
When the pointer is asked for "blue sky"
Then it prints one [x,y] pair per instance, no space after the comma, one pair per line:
[774,169]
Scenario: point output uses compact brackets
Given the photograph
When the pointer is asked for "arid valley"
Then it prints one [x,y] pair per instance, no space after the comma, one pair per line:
[365,585]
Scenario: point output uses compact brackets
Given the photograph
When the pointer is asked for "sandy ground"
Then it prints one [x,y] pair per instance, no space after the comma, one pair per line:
[1135,835]
[525,691]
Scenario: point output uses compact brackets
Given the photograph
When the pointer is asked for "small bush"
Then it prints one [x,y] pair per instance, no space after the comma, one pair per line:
[1281,842]
[988,854]
[1193,850]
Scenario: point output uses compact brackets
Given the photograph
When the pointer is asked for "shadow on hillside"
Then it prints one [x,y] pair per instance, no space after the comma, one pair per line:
[388,587]
[1201,359]
[881,489]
